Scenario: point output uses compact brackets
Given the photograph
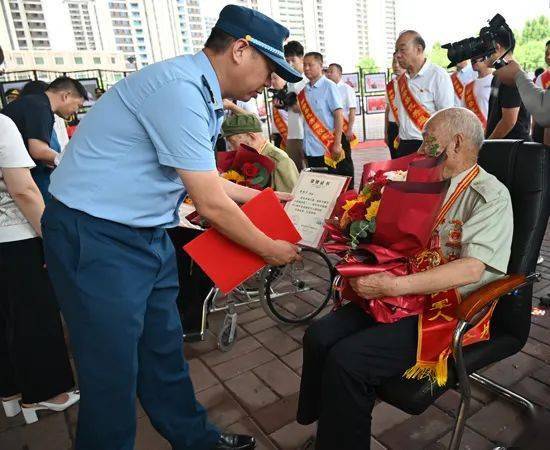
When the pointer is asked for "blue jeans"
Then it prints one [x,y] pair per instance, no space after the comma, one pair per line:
[117,289]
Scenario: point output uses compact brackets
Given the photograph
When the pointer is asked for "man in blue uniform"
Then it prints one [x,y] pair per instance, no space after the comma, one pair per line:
[136,153]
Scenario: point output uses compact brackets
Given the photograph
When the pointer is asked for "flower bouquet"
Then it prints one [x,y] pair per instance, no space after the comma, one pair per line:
[387,227]
[246,167]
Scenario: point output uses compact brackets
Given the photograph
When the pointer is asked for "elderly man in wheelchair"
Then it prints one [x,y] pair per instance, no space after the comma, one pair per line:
[347,354]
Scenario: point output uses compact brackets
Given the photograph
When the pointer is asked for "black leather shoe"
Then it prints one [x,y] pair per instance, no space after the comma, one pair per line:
[235,442]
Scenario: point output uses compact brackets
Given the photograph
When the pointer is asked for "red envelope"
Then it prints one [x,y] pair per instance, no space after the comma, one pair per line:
[227,263]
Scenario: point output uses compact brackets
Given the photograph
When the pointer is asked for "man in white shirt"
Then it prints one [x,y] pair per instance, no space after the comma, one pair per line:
[422,90]
[463,74]
[477,92]
[347,95]
[294,55]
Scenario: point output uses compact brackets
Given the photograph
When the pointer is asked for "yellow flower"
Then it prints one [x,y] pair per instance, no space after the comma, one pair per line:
[349,204]
[233,175]
[372,210]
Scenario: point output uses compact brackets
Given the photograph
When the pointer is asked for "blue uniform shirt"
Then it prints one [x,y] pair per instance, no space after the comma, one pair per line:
[120,164]
[324,99]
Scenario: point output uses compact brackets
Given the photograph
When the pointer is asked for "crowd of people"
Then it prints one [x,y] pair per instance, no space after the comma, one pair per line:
[83,229]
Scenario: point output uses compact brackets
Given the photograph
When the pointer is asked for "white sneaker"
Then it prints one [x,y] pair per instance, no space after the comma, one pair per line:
[12,406]
[29,412]
[540,260]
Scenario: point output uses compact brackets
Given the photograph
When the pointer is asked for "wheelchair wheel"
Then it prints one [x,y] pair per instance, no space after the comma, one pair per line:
[228,333]
[297,292]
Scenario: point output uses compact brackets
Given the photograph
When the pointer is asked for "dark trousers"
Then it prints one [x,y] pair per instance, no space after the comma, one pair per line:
[344,167]
[295,149]
[194,283]
[346,355]
[33,355]
[393,132]
[117,288]
[407,147]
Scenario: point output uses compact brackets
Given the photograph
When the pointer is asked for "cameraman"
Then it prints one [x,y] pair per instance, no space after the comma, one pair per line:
[508,118]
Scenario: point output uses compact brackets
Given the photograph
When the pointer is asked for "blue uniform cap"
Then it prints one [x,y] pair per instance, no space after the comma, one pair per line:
[262,32]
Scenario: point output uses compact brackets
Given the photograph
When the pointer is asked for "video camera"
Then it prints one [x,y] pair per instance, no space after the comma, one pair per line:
[285,99]
[482,46]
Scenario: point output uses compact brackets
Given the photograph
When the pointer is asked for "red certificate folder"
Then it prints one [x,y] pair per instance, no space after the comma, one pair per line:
[227,263]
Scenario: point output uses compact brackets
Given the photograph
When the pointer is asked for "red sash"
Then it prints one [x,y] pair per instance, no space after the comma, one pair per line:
[390,89]
[416,112]
[545,79]
[457,85]
[435,324]
[281,125]
[321,132]
[471,103]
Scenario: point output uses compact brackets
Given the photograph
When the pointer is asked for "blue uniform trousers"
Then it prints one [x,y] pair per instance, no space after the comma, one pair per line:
[117,288]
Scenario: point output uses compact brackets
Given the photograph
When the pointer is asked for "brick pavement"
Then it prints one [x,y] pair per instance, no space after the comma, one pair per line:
[253,389]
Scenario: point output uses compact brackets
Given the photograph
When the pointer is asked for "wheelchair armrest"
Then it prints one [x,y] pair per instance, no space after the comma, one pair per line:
[477,300]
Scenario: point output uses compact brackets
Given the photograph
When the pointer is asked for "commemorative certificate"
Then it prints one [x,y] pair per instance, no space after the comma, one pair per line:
[315,196]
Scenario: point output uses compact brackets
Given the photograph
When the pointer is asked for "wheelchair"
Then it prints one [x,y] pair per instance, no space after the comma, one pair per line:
[291,294]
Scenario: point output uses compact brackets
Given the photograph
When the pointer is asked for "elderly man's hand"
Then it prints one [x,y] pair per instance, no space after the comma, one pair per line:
[375,286]
[507,74]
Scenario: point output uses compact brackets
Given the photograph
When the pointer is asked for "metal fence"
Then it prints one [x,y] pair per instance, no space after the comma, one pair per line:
[369,91]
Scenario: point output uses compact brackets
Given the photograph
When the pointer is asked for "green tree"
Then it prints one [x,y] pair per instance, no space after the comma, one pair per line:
[438,55]
[530,54]
[535,30]
[367,64]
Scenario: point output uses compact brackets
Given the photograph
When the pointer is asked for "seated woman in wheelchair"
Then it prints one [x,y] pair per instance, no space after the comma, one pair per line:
[247,129]
[347,353]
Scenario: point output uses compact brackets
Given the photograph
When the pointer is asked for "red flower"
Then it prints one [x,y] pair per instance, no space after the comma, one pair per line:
[357,212]
[379,178]
[250,170]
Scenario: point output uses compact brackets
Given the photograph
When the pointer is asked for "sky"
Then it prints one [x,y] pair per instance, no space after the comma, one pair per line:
[431,17]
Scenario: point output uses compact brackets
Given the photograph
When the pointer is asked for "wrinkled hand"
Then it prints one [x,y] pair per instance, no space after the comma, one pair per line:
[281,253]
[374,286]
[284,196]
[507,74]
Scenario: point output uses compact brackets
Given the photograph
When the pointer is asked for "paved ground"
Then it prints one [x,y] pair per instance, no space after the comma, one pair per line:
[253,389]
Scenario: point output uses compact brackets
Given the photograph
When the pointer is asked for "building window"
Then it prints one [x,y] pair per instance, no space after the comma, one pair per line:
[113,60]
[38,60]
[19,61]
[97,60]
[59,60]
[78,60]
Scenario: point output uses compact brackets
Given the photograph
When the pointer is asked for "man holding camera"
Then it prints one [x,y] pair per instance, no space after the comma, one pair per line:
[422,90]
[508,118]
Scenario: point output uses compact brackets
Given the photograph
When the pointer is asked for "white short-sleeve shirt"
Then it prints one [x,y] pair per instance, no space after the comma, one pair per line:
[432,87]
[13,224]
[348,97]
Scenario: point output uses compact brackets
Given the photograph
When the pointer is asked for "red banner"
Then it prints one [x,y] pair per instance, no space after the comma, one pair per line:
[281,125]
[457,85]
[416,112]
[471,103]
